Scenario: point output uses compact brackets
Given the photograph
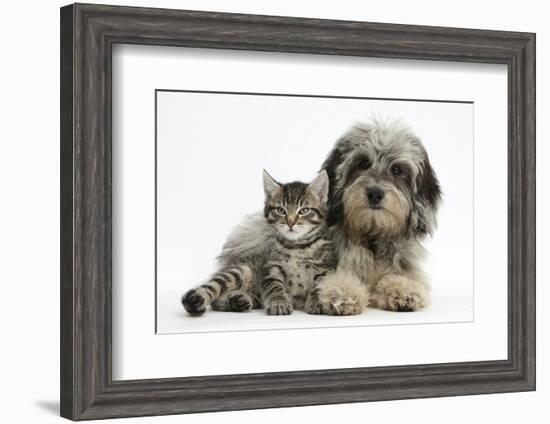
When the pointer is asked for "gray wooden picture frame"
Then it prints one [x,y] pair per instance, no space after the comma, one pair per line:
[88,33]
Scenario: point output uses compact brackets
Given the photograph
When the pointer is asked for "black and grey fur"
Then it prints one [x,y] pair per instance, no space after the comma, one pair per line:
[275,259]
[383,201]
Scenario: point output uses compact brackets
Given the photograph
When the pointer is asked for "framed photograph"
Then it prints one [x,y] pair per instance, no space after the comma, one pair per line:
[263,211]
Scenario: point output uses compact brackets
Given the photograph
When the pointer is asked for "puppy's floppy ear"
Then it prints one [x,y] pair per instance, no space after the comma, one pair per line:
[428,185]
[335,208]
[426,201]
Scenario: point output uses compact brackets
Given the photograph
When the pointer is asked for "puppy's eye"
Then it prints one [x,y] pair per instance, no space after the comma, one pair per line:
[396,170]
[280,211]
[364,164]
[304,211]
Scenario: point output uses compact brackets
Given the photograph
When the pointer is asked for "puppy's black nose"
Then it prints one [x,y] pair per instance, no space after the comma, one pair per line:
[375,195]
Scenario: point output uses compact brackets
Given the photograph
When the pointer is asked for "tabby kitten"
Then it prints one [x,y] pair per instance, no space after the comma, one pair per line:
[302,253]
[295,254]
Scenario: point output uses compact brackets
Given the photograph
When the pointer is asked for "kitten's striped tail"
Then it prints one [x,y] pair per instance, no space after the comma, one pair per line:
[239,277]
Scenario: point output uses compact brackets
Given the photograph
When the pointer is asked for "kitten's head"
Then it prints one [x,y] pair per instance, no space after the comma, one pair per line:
[296,209]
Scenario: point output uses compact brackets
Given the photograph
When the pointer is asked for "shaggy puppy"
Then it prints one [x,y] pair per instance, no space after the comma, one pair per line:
[382,202]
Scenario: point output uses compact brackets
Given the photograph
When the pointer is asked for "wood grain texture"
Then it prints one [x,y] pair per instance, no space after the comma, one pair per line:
[67,318]
[88,33]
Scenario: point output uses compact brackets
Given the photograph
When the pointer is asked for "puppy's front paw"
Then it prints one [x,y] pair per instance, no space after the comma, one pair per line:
[400,294]
[342,293]
[348,306]
[278,307]
[194,302]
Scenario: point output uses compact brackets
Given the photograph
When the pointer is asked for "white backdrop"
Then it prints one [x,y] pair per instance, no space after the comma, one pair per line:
[139,70]
[211,149]
[30,181]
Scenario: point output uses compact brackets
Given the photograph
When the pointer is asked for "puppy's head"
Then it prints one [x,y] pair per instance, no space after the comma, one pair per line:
[382,183]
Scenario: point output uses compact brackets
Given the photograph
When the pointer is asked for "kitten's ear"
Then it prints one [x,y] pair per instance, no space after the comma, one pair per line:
[319,186]
[270,185]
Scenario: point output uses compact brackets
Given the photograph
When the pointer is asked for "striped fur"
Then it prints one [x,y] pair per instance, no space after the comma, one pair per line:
[237,301]
[224,290]
[302,252]
[293,270]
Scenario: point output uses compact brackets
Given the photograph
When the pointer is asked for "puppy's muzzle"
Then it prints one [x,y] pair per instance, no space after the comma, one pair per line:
[375,195]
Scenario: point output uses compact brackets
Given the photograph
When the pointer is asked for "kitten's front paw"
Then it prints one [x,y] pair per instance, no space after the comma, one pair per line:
[240,302]
[313,305]
[194,302]
[313,308]
[278,307]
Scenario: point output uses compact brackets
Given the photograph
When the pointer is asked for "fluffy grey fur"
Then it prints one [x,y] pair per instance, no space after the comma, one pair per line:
[383,202]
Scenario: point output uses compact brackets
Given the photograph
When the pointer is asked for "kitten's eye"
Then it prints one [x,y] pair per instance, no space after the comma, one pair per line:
[281,211]
[364,164]
[396,170]
[304,211]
